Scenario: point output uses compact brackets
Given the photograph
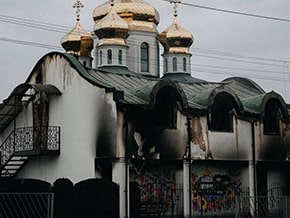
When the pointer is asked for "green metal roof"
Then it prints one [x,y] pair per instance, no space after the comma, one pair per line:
[135,89]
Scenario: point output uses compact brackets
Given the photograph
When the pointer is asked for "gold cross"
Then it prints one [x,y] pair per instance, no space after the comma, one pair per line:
[175,2]
[78,5]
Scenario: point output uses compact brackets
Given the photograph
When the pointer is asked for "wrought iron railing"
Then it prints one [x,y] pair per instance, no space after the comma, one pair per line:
[24,140]
[26,205]
[263,207]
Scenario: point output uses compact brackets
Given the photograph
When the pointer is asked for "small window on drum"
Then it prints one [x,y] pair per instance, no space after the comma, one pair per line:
[120,57]
[144,57]
[109,56]
[184,64]
[272,117]
[101,57]
[174,63]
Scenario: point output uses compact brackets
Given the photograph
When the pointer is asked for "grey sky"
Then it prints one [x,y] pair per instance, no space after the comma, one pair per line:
[212,30]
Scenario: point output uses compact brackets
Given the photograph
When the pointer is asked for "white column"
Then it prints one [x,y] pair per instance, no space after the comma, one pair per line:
[186,189]
[119,177]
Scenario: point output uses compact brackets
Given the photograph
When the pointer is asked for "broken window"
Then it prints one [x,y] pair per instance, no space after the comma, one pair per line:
[166,107]
[272,117]
[222,110]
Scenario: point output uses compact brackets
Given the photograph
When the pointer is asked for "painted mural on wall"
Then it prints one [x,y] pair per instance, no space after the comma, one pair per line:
[213,192]
[156,184]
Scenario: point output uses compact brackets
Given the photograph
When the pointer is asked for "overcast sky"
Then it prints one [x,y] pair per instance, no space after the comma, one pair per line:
[225,44]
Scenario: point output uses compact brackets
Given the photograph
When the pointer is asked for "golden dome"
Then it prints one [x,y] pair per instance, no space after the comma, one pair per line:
[112,29]
[78,41]
[139,14]
[176,39]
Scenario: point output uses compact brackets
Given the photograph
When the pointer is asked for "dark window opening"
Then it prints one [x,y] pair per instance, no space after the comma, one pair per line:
[222,110]
[101,57]
[120,56]
[166,107]
[166,65]
[109,56]
[174,62]
[144,57]
[184,64]
[39,79]
[272,117]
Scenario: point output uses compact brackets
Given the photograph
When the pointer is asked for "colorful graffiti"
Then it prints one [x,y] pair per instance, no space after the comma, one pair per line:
[157,188]
[214,192]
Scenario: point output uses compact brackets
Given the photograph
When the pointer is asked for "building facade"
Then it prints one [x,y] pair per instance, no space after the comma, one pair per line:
[190,146]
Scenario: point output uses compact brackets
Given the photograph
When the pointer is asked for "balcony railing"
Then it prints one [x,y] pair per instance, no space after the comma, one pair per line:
[25,141]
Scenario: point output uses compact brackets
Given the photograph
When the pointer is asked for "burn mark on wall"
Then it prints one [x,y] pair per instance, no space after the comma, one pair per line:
[198,147]
[273,148]
[149,140]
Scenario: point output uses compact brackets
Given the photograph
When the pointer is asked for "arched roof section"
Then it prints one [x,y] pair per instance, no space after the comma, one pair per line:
[167,83]
[246,82]
[258,103]
[224,89]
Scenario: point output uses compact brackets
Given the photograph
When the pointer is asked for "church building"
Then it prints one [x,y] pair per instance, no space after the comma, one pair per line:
[171,144]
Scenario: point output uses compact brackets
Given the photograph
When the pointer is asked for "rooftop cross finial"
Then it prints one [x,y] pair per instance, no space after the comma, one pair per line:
[78,5]
[175,2]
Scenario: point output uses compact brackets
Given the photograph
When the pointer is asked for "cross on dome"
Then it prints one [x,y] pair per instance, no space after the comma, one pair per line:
[175,2]
[78,5]
[112,2]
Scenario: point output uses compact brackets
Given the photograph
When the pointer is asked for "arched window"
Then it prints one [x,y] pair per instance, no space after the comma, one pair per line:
[120,57]
[222,110]
[166,65]
[272,117]
[166,107]
[101,57]
[144,57]
[184,64]
[109,56]
[174,64]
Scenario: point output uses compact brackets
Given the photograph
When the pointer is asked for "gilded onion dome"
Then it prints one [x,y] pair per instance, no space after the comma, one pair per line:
[176,39]
[111,30]
[78,41]
[137,13]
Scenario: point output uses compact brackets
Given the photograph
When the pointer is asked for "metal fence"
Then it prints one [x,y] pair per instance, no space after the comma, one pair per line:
[162,201]
[26,205]
[263,207]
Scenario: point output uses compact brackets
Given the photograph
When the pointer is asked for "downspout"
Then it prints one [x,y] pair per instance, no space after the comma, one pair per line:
[254,162]
[126,166]
[14,124]
[189,138]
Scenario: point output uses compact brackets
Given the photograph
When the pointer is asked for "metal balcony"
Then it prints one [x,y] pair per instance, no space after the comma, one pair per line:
[25,142]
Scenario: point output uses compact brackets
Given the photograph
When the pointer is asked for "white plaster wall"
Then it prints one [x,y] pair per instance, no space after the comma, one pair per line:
[236,145]
[77,111]
[244,140]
